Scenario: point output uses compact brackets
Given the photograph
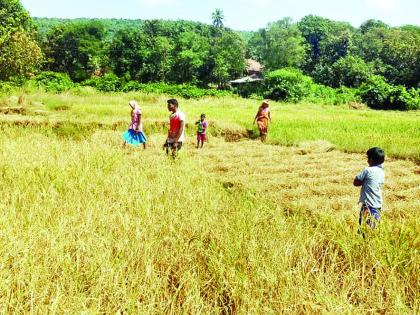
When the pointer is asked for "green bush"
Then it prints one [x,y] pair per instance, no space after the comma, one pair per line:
[345,95]
[7,87]
[349,71]
[415,98]
[107,83]
[401,99]
[287,84]
[321,94]
[53,81]
[379,94]
[182,90]
[132,86]
[249,89]
[375,92]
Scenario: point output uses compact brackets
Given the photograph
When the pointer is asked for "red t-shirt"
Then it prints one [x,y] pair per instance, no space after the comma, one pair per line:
[175,124]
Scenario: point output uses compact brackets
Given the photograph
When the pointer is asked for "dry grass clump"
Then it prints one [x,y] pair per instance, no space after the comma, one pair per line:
[355,105]
[318,146]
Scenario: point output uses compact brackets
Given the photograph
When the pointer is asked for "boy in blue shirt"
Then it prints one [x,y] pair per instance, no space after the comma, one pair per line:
[371,180]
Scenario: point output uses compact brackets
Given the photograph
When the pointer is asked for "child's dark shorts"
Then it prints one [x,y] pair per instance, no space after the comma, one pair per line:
[370,215]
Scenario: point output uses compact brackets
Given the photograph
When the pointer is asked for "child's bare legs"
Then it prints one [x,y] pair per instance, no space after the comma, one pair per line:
[144,145]
[124,144]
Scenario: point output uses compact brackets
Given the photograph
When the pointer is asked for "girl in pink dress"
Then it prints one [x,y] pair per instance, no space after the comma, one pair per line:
[134,135]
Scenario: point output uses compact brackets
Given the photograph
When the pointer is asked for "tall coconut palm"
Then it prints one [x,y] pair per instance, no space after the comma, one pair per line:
[217,17]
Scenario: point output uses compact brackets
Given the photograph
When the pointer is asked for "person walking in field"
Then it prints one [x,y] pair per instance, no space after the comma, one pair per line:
[201,130]
[135,135]
[262,117]
[176,128]
[371,180]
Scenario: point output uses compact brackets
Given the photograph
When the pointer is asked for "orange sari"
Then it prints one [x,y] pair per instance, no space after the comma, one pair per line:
[262,120]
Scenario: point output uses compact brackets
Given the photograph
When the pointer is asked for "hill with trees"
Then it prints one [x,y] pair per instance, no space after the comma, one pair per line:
[332,54]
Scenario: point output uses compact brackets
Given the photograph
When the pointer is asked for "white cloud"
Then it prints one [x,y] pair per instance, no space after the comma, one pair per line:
[387,5]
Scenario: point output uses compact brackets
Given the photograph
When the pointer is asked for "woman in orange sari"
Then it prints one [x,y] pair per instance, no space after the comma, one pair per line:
[262,117]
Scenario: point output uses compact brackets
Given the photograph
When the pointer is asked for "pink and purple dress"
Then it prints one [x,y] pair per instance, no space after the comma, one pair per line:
[134,135]
[201,130]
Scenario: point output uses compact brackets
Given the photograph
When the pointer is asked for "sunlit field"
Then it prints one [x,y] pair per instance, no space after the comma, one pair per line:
[239,227]
[346,128]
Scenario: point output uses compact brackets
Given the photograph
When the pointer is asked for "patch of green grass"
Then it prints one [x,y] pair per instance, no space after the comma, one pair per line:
[347,129]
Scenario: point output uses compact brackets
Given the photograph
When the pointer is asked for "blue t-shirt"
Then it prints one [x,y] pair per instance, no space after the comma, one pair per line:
[373,178]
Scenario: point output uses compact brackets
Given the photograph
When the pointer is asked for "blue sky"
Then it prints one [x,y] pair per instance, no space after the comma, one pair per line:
[239,14]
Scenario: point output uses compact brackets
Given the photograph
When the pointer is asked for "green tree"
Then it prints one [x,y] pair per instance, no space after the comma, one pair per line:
[217,18]
[13,18]
[370,44]
[394,52]
[19,56]
[193,54]
[287,84]
[128,54]
[372,24]
[140,56]
[228,57]
[284,45]
[256,45]
[314,29]
[19,53]
[160,60]
[337,44]
[76,48]
[401,55]
[349,71]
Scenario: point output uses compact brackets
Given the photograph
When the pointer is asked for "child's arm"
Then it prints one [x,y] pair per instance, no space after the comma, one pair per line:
[357,182]
[359,179]
[137,125]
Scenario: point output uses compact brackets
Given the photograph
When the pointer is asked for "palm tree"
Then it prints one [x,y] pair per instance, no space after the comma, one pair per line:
[217,17]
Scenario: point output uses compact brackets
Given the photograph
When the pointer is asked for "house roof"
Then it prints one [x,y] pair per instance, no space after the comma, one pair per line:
[249,78]
[253,66]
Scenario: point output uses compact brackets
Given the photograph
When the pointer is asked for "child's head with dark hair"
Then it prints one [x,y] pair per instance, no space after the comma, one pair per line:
[203,116]
[376,156]
[173,101]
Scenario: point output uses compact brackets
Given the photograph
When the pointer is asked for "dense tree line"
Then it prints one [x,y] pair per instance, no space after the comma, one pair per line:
[153,50]
[332,53]
[335,53]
